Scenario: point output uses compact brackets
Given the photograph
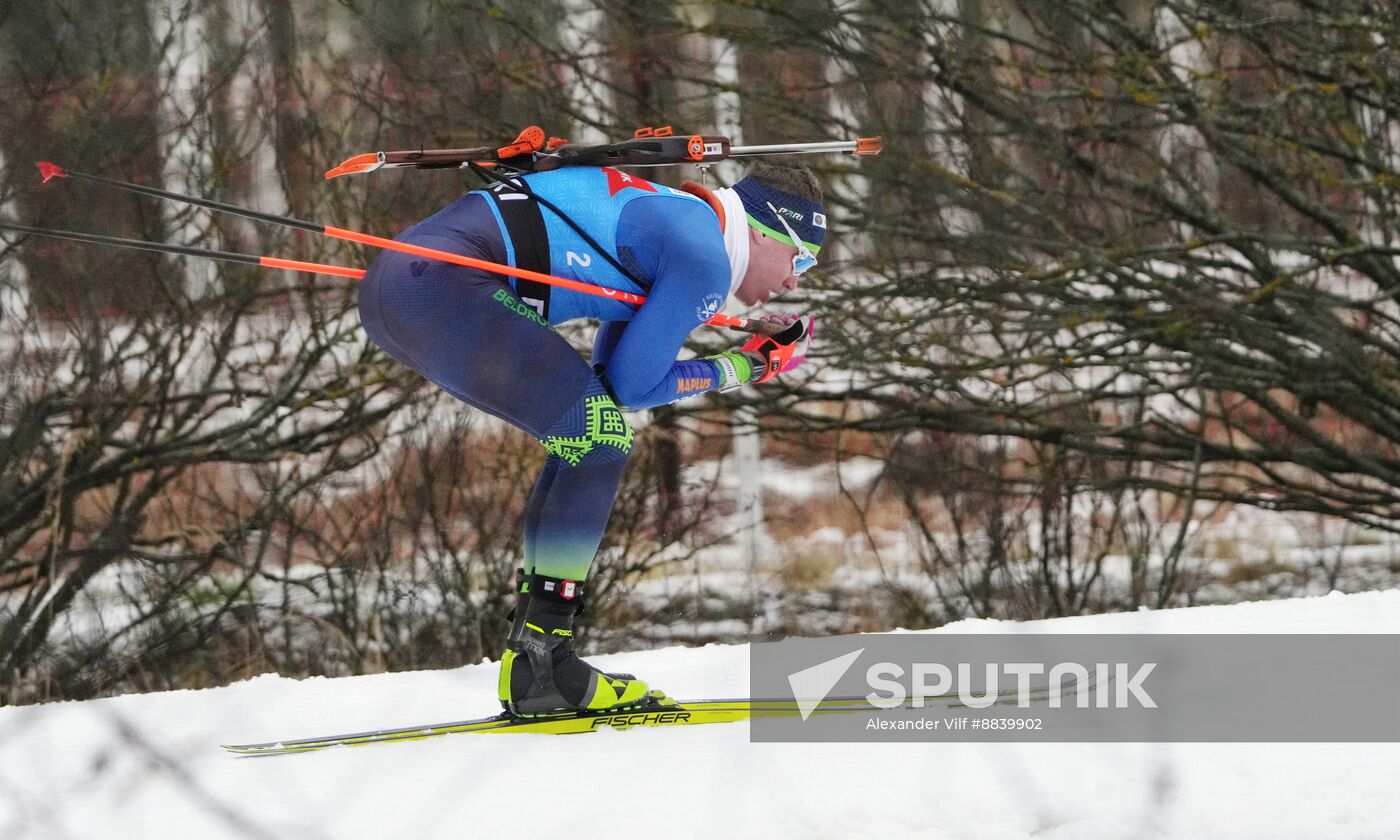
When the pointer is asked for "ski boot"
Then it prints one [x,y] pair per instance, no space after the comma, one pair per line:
[540,671]
[516,615]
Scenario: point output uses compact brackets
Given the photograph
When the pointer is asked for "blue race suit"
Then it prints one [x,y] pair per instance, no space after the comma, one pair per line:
[488,339]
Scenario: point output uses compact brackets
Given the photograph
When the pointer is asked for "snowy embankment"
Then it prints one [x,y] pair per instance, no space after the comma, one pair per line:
[149,766]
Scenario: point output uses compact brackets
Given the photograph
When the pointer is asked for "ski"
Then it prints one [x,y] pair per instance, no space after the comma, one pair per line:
[659,711]
[533,152]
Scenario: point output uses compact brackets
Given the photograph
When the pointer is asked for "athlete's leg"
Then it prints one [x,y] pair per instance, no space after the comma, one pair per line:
[535,508]
[465,331]
[591,442]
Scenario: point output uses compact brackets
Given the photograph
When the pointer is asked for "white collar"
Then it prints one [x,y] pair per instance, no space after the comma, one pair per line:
[736,235]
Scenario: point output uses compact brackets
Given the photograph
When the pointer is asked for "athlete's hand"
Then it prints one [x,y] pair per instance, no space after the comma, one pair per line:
[783,351]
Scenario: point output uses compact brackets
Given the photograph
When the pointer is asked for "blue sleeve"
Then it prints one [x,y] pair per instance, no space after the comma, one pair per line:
[609,333]
[678,244]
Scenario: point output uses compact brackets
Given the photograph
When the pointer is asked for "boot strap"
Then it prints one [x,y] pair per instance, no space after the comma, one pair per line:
[523,583]
[558,590]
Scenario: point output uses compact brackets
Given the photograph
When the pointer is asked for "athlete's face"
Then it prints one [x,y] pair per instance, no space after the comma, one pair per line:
[770,269]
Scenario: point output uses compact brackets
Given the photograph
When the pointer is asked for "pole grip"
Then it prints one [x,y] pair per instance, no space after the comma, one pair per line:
[751,326]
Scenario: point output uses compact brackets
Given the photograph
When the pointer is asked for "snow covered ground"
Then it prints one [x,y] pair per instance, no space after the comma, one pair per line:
[149,766]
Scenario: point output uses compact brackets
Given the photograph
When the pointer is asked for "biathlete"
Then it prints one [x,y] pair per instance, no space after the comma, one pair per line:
[489,341]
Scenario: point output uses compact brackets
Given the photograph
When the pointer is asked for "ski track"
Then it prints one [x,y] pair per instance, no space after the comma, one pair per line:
[149,766]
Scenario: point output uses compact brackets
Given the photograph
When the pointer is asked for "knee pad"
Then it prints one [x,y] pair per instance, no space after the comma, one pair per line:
[593,429]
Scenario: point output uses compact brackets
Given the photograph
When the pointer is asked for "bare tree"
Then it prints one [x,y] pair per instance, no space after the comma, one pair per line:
[1179,206]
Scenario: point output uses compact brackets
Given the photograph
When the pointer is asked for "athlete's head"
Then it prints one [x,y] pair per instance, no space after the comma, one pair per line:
[786,226]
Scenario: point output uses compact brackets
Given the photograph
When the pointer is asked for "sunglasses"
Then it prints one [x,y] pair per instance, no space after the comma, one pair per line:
[803,259]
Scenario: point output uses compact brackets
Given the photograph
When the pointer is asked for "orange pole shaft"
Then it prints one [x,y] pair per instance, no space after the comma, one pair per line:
[484,265]
[314,268]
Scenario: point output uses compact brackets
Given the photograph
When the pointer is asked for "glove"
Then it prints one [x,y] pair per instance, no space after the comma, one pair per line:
[790,345]
[765,356]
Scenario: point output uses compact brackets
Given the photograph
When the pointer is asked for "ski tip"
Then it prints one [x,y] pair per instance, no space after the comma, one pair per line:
[367,162]
[51,170]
